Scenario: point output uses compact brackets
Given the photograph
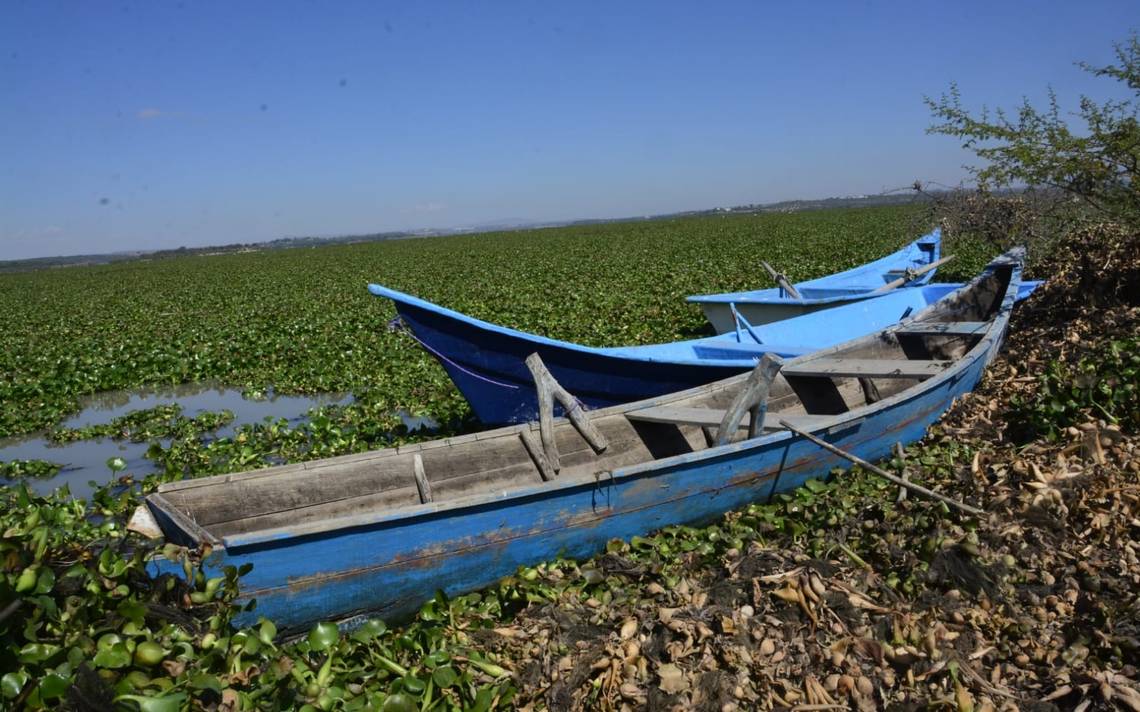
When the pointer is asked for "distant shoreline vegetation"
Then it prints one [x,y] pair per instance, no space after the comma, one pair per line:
[285,243]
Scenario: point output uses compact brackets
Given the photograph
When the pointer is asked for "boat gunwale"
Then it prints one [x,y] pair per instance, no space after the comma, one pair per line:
[983,345]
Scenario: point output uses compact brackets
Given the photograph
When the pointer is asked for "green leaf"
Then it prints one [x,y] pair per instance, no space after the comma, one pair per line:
[444,676]
[112,657]
[37,652]
[53,685]
[400,702]
[323,636]
[267,631]
[12,683]
[815,486]
[166,703]
[372,628]
[205,681]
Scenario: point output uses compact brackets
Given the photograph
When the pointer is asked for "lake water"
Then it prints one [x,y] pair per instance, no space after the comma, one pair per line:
[86,460]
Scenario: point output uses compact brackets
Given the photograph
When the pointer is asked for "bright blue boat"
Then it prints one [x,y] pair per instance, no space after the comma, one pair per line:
[486,361]
[913,266]
[379,532]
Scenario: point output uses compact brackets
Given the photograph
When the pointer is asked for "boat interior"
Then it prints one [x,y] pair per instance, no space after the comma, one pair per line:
[809,391]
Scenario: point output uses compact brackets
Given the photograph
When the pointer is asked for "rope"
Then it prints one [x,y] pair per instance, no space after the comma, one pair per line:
[398,325]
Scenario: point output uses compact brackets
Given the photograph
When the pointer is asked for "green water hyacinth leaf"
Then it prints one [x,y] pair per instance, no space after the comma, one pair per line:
[205,681]
[12,683]
[370,629]
[166,703]
[266,631]
[113,657]
[37,652]
[400,702]
[323,636]
[53,686]
[444,676]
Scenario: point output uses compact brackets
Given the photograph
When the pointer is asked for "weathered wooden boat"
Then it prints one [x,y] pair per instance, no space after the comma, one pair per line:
[487,361]
[912,266]
[380,532]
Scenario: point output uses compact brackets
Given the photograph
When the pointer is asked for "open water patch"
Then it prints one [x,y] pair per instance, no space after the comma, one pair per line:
[84,461]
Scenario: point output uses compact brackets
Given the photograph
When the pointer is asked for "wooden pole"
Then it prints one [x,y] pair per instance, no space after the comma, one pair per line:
[782,280]
[753,396]
[549,390]
[537,454]
[917,489]
[912,275]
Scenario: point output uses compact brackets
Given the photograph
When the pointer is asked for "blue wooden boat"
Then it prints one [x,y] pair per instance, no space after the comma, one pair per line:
[913,266]
[379,532]
[486,361]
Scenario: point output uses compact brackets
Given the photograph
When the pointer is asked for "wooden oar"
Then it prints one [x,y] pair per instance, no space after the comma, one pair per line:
[781,280]
[917,489]
[912,275]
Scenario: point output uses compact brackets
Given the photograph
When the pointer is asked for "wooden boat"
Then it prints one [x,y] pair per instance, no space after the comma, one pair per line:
[380,532]
[487,361]
[913,266]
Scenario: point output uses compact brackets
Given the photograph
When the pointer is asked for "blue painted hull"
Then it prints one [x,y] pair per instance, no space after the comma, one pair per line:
[486,361]
[763,306]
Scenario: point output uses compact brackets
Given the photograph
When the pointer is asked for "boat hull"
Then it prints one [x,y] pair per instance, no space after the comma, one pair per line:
[489,368]
[390,567]
[720,316]
[765,306]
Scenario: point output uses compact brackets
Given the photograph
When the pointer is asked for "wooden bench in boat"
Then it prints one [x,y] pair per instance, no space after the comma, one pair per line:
[945,328]
[711,417]
[867,368]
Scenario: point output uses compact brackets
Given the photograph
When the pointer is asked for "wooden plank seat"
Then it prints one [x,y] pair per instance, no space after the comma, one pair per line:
[712,417]
[945,328]
[867,368]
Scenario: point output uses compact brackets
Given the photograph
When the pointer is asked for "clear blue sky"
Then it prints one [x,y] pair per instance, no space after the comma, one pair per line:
[139,125]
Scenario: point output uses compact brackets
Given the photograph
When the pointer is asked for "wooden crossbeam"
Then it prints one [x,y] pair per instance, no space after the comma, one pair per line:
[867,367]
[712,417]
[947,328]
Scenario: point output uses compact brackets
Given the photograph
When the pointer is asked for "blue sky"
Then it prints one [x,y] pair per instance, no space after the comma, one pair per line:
[149,125]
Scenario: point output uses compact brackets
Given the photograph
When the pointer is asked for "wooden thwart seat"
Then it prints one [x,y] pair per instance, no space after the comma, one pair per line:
[711,417]
[867,367]
[948,328]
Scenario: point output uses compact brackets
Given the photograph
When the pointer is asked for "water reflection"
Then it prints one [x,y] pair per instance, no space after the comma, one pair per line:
[85,461]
